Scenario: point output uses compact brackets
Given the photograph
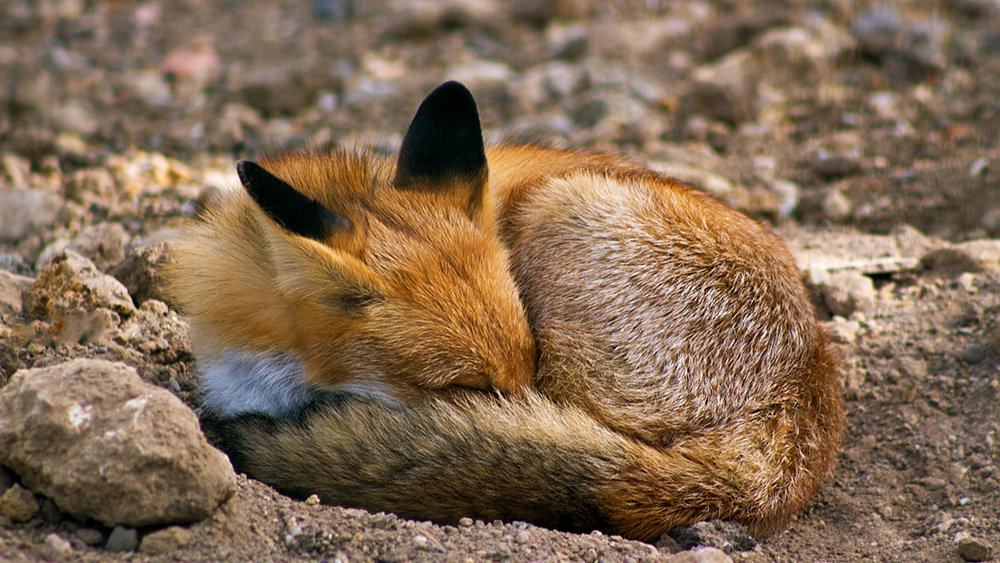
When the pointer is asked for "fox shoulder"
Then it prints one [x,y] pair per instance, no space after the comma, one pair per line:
[351,272]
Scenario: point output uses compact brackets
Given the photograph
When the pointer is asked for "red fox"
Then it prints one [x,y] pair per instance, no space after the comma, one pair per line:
[509,332]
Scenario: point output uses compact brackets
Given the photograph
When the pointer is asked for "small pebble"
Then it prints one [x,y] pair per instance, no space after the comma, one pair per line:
[465,522]
[122,539]
[313,500]
[979,167]
[971,548]
[50,512]
[166,540]
[18,504]
[57,548]
[523,537]
[973,354]
[90,536]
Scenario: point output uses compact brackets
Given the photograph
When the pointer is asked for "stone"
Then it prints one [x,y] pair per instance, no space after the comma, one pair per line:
[18,504]
[481,75]
[142,273]
[89,185]
[280,90]
[971,256]
[726,89]
[89,536]
[846,292]
[11,287]
[973,354]
[542,11]
[716,185]
[837,164]
[24,212]
[421,17]
[836,207]
[57,548]
[165,541]
[549,83]
[122,538]
[107,446]
[157,332]
[971,548]
[842,331]
[568,43]
[70,283]
[192,66]
[103,243]
[720,534]
[991,222]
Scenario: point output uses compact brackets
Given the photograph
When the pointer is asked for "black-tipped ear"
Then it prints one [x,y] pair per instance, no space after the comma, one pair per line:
[293,210]
[444,140]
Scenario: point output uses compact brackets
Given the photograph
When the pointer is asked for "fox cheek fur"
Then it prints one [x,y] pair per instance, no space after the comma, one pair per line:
[344,272]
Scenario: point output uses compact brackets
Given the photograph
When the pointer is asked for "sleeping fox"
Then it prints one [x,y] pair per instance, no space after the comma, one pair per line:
[511,332]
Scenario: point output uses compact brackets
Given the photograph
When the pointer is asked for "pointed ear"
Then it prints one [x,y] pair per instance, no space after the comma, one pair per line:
[444,142]
[293,210]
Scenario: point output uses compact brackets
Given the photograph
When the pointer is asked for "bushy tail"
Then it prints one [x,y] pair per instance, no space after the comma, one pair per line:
[519,459]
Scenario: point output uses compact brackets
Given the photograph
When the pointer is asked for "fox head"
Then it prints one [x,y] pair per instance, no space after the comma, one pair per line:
[371,272]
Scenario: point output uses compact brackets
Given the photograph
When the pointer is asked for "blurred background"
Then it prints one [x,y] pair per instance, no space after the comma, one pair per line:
[869,114]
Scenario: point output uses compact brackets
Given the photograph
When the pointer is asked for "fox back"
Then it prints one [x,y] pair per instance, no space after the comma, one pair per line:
[679,373]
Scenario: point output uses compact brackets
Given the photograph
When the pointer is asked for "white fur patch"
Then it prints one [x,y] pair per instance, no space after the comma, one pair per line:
[246,382]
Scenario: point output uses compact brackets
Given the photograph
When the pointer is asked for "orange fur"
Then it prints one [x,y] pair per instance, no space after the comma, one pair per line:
[680,372]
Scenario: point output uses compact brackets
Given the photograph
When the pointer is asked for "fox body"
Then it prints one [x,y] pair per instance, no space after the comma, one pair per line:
[509,332]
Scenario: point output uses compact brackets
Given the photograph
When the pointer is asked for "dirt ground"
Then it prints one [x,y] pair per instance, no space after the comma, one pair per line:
[861,131]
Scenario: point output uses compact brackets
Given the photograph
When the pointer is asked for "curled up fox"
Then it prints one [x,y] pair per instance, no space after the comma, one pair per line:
[510,332]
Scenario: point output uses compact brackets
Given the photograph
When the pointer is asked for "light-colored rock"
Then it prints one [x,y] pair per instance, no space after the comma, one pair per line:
[89,185]
[122,538]
[57,548]
[103,243]
[836,206]
[11,287]
[717,185]
[24,211]
[104,445]
[971,256]
[165,541]
[847,292]
[90,536]
[549,83]
[420,17]
[18,504]
[842,331]
[481,75]
[70,283]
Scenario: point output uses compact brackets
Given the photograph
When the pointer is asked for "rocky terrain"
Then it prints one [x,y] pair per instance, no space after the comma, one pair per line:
[865,133]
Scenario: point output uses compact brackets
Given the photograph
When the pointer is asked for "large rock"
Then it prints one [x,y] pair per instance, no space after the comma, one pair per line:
[105,445]
[70,283]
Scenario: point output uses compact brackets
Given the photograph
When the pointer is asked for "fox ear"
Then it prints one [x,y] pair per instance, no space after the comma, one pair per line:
[444,142]
[294,211]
